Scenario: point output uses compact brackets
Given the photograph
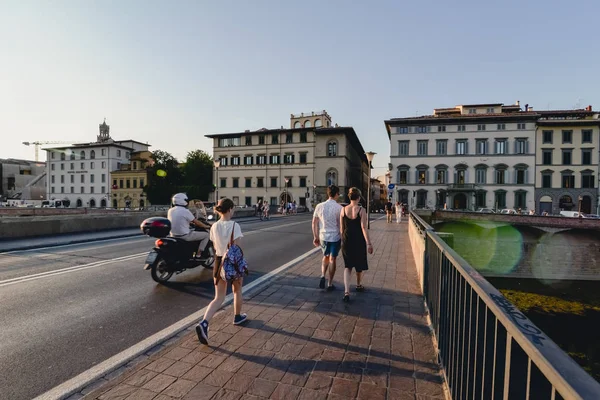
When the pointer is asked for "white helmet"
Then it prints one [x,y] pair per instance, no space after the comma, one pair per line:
[180,199]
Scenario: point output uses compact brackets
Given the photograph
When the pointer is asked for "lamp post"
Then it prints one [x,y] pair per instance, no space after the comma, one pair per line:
[217,165]
[580,199]
[370,156]
[285,200]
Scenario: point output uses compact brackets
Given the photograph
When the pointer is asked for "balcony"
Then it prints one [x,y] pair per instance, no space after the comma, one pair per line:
[462,187]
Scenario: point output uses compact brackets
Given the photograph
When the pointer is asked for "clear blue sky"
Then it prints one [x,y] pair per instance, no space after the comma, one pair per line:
[171,72]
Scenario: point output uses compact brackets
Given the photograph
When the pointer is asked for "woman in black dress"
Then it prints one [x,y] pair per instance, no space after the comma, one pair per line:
[355,241]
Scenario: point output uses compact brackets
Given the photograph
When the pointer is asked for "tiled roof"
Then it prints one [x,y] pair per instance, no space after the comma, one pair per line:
[466,116]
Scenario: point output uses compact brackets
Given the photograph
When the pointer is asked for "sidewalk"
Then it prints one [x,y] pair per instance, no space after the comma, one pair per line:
[304,343]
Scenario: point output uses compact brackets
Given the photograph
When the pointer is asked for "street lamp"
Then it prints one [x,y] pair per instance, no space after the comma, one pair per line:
[580,200]
[217,163]
[285,201]
[370,156]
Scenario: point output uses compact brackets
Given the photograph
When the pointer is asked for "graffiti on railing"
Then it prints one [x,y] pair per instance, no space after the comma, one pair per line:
[534,333]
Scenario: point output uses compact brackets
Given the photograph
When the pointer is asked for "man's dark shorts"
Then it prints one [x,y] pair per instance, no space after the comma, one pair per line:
[331,248]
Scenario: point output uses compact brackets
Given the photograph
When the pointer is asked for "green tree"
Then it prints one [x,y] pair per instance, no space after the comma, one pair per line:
[198,175]
[164,178]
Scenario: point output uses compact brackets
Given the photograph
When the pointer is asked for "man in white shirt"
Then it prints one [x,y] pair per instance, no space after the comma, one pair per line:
[181,218]
[326,233]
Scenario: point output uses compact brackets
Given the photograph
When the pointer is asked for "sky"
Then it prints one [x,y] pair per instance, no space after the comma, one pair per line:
[168,73]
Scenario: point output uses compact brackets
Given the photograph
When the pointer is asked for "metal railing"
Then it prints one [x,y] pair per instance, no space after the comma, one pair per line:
[487,348]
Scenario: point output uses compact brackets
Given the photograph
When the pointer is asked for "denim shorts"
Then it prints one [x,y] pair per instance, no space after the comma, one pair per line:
[331,248]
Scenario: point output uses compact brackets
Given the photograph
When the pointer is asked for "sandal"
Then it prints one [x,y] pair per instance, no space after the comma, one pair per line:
[346,297]
[360,288]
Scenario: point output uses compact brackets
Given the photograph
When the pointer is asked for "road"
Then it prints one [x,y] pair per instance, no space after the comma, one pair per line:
[66,309]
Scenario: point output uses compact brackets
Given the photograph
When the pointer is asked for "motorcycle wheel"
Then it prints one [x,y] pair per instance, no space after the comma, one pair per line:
[210,261]
[159,271]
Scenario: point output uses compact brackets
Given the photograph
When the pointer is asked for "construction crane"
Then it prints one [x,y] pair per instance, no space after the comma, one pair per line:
[40,143]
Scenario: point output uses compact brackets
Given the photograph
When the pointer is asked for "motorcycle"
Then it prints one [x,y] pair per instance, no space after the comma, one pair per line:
[172,255]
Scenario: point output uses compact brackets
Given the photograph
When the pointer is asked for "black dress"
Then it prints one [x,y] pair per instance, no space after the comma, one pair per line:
[354,245]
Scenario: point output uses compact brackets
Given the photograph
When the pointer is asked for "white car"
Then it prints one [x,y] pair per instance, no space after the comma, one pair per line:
[486,211]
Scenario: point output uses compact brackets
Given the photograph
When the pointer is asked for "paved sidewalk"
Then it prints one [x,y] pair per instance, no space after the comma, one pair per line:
[304,343]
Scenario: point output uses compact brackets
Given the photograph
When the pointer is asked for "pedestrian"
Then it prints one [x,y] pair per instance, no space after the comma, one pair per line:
[326,233]
[398,212]
[223,233]
[388,211]
[355,242]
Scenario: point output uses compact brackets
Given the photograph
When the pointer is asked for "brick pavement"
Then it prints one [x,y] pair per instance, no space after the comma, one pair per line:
[304,343]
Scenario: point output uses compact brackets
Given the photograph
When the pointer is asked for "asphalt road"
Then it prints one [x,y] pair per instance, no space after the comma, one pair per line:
[66,309]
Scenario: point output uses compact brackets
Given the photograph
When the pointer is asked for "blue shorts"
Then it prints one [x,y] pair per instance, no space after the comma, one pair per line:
[331,248]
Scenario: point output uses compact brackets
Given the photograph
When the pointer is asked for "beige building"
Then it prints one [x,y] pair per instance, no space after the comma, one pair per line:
[465,157]
[296,164]
[567,144]
[129,181]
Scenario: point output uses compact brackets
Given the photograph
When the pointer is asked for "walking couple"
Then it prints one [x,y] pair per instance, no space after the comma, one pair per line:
[335,227]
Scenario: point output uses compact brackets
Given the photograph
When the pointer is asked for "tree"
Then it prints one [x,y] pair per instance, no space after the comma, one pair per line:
[164,178]
[198,175]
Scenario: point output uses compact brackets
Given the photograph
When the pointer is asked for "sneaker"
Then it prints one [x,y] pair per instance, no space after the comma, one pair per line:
[240,319]
[330,288]
[202,332]
[322,283]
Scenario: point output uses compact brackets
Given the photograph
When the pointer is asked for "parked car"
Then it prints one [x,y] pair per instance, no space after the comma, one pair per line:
[591,216]
[486,211]
[508,211]
[571,214]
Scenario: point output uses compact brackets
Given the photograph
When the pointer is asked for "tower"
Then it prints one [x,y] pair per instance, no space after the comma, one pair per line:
[104,135]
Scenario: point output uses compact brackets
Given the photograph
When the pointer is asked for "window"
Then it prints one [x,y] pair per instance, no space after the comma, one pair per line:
[92,165]
[141,182]
[460,176]
[568,180]
[273,182]
[235,160]
[441,175]
[302,158]
[547,157]
[307,124]
[82,190]
[521,146]
[72,189]
[480,198]
[490,110]
[236,182]
[586,136]
[402,129]
[248,182]
[547,180]
[297,125]
[403,177]
[403,147]
[223,182]
[72,178]
[135,183]
[567,157]
[52,189]
[481,146]
[521,174]
[223,161]
[462,147]
[501,127]
[441,147]
[128,184]
[82,178]
[62,156]
[229,142]
[462,128]
[442,128]
[303,138]
[248,201]
[62,189]
[521,126]
[119,152]
[422,147]
[587,180]
[93,154]
[289,138]
[82,155]
[331,177]
[248,160]
[332,149]
[52,167]
[500,199]
[103,151]
[248,140]
[261,159]
[480,175]
[83,166]
[500,175]
[318,123]
[261,139]
[72,166]
[288,181]
[103,189]
[275,139]
[52,179]
[303,181]
[92,189]
[274,159]
[521,199]
[52,155]
[288,159]
[260,182]
[586,157]
[481,127]
[567,136]
[62,179]
[423,129]
[120,183]
[547,137]
[127,155]
[62,167]
[472,111]
[422,175]
[500,146]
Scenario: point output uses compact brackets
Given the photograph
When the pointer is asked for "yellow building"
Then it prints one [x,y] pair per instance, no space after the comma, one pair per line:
[129,181]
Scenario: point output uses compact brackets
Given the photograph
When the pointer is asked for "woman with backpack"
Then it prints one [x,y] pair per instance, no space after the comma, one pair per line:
[229,267]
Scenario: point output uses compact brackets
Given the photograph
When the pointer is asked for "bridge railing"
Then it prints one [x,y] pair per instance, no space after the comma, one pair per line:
[488,349]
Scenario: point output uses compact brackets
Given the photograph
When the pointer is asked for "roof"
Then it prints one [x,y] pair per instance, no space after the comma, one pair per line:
[133,141]
[88,145]
[15,161]
[482,105]
[447,118]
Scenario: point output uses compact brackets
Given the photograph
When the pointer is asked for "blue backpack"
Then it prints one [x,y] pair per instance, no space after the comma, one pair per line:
[234,265]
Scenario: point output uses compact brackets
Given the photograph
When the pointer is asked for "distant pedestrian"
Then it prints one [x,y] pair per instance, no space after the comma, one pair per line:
[223,233]
[355,241]
[388,211]
[398,212]
[326,233]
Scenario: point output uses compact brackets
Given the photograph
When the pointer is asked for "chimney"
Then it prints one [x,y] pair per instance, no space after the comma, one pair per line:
[518,103]
[247,130]
[589,108]
[526,107]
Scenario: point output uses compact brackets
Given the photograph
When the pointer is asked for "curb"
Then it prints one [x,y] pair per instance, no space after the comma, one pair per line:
[95,377]
[74,241]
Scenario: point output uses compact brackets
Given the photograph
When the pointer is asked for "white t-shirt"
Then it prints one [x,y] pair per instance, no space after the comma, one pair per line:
[220,234]
[328,214]
[180,218]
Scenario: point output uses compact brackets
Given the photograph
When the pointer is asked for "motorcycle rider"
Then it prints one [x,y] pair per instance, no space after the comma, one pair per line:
[181,218]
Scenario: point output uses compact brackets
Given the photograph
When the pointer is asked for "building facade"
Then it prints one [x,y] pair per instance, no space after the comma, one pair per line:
[295,164]
[81,173]
[22,180]
[567,145]
[128,182]
[464,158]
